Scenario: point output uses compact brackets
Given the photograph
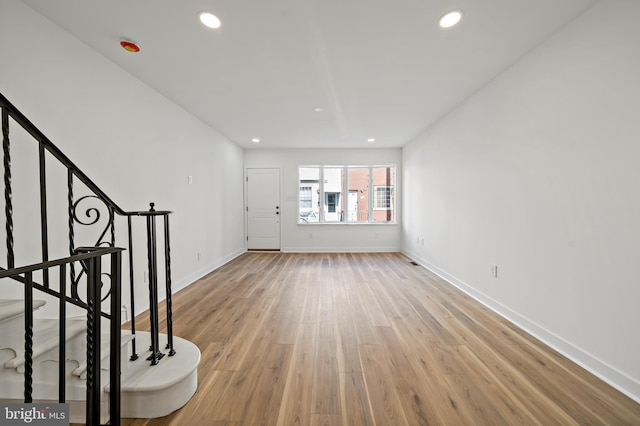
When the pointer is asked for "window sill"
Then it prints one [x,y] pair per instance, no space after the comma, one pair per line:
[347,223]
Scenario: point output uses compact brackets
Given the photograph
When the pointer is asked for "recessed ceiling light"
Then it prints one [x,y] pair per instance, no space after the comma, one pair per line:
[318,109]
[255,140]
[451,18]
[371,140]
[209,20]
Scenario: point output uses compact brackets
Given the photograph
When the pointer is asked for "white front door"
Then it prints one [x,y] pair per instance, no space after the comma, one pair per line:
[263,209]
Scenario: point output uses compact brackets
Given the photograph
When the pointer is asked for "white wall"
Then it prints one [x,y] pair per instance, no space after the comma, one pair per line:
[327,237]
[539,174]
[136,145]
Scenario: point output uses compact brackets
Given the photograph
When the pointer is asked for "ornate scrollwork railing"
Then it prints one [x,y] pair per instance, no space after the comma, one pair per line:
[92,214]
[88,211]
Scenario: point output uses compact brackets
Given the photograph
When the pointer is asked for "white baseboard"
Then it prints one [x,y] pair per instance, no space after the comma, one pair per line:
[196,275]
[625,384]
[340,249]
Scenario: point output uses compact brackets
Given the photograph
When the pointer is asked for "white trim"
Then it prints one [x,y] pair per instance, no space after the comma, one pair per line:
[345,192]
[195,276]
[340,249]
[622,382]
[246,201]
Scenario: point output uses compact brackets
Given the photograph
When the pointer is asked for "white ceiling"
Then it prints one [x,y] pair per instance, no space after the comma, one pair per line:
[380,69]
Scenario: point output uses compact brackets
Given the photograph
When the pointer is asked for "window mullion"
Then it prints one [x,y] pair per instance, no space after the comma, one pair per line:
[321,195]
[345,194]
[371,195]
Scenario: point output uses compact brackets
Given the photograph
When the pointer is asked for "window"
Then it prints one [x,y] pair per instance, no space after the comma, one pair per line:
[383,183]
[330,201]
[305,197]
[382,197]
[346,194]
[333,183]
[309,194]
[358,203]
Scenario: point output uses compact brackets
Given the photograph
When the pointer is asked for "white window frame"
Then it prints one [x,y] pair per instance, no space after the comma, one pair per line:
[345,192]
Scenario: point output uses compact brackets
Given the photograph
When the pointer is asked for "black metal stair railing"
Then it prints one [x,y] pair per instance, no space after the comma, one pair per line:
[88,207]
[151,216]
[92,259]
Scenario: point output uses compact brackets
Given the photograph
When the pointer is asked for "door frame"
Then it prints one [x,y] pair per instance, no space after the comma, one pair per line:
[246,203]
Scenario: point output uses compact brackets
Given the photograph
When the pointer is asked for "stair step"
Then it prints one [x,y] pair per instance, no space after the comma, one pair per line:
[151,391]
[81,371]
[148,391]
[10,309]
[47,339]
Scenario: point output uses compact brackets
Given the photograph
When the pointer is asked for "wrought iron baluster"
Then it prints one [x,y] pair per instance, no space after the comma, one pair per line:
[93,341]
[115,341]
[134,355]
[62,338]
[8,203]
[169,305]
[43,213]
[72,248]
[28,337]
[113,227]
[156,355]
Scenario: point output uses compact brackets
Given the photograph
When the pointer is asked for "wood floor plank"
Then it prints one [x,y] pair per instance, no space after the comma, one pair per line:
[471,403]
[500,396]
[368,339]
[209,403]
[295,408]
[325,396]
[381,293]
[511,391]
[311,306]
[286,325]
[386,408]
[264,407]
[361,319]
[346,337]
[355,401]
[417,409]
[431,365]
[326,420]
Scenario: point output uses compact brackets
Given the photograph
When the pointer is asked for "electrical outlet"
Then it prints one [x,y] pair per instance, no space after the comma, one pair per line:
[190,180]
[199,256]
[494,271]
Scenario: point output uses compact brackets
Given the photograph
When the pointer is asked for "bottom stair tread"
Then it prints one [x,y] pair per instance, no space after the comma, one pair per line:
[150,391]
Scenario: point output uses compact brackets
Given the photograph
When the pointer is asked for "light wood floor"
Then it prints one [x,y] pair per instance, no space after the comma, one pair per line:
[369,339]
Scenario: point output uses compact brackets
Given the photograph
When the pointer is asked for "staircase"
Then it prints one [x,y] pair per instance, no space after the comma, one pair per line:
[46,359]
[60,328]
[146,392]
